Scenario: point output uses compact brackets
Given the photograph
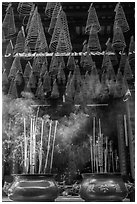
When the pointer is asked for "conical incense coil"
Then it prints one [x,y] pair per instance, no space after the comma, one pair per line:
[8,24]
[41,43]
[71,65]
[9,50]
[19,78]
[5,80]
[127,71]
[131,45]
[24,8]
[28,70]
[119,90]
[46,82]
[16,65]
[55,91]
[61,23]
[64,45]
[61,75]
[13,90]
[118,41]
[20,42]
[50,8]
[44,69]
[93,41]
[30,16]
[87,62]
[120,18]
[113,56]
[39,91]
[56,11]
[32,83]
[92,20]
[33,31]
[83,51]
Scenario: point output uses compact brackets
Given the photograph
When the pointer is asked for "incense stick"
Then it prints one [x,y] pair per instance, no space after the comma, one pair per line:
[94,123]
[40,153]
[125,127]
[48,147]
[53,145]
[25,147]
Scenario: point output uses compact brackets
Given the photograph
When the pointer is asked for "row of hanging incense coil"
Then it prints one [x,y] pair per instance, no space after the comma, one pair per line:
[60,41]
[39,75]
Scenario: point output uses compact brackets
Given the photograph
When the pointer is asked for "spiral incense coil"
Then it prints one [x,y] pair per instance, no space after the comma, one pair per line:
[121,145]
[61,24]
[50,8]
[127,71]
[92,20]
[46,82]
[9,49]
[118,41]
[33,31]
[55,91]
[64,45]
[32,83]
[120,18]
[13,90]
[8,24]
[5,80]
[110,49]
[54,18]
[24,8]
[16,65]
[20,42]
[28,70]
[71,63]
[93,41]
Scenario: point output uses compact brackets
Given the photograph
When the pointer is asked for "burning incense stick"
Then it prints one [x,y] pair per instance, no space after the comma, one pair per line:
[53,145]
[48,147]
[40,154]
[125,127]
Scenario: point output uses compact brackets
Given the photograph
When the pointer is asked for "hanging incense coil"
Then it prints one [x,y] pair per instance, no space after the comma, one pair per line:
[20,42]
[54,66]
[122,62]
[16,65]
[27,87]
[93,41]
[61,75]
[55,91]
[24,8]
[71,65]
[19,78]
[119,89]
[5,80]
[70,88]
[36,66]
[92,20]
[120,18]
[131,45]
[8,24]
[32,83]
[40,91]
[61,24]
[9,50]
[118,41]
[127,71]
[46,82]
[77,77]
[13,90]
[56,11]
[87,62]
[62,62]
[50,8]
[110,49]
[33,31]
[27,70]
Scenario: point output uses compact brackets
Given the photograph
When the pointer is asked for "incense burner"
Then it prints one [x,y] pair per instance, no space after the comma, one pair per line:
[105,187]
[34,188]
